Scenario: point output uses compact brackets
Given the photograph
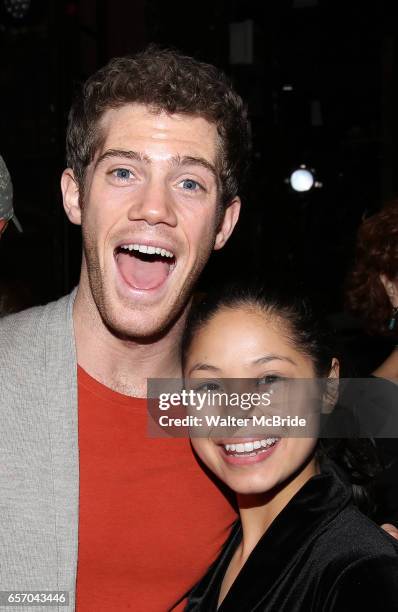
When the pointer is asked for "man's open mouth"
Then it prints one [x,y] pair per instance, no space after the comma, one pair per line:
[144,266]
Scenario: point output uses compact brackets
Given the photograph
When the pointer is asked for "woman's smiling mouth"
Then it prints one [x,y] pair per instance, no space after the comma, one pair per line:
[248,452]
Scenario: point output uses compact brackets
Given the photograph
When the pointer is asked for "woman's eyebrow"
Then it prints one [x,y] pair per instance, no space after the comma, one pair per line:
[207,367]
[273,357]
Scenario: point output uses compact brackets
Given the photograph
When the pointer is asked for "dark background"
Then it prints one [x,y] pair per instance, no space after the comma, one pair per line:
[322,90]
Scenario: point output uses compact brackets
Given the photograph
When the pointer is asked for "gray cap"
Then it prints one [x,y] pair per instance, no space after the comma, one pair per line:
[6,192]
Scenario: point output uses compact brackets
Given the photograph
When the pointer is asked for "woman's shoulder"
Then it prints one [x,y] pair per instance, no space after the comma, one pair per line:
[367,567]
[352,537]
[365,585]
[360,564]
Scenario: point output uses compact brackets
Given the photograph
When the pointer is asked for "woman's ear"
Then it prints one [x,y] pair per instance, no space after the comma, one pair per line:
[331,394]
[391,288]
[335,368]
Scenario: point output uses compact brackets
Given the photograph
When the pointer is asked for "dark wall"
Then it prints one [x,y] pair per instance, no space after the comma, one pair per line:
[321,89]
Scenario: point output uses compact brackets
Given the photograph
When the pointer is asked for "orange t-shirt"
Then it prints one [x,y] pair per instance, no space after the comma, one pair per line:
[150,520]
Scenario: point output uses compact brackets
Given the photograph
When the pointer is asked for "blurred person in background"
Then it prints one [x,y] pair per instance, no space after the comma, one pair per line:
[372,295]
[13,295]
[372,287]
[6,199]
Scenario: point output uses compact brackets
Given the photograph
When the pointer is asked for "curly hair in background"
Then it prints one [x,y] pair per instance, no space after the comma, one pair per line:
[376,254]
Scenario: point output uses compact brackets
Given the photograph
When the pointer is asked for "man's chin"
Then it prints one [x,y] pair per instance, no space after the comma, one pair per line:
[142,316]
[142,327]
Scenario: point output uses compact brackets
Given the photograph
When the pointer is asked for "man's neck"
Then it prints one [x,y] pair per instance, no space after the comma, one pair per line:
[122,365]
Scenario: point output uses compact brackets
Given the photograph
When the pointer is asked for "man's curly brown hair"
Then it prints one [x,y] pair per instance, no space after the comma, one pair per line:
[376,254]
[162,80]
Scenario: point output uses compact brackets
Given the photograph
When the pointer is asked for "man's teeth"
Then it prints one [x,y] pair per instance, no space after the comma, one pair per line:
[144,248]
[249,447]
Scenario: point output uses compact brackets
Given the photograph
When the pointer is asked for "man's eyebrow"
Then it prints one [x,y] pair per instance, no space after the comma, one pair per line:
[176,160]
[192,160]
[123,153]
[273,357]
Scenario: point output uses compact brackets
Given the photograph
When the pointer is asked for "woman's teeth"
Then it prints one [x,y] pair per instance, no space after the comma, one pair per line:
[249,447]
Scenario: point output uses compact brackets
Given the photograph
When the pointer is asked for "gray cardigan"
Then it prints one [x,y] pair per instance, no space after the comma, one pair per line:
[39,468]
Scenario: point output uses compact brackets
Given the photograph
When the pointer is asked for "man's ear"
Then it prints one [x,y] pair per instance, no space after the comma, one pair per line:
[227,223]
[71,196]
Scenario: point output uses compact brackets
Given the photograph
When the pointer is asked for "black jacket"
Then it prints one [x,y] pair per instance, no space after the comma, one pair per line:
[321,554]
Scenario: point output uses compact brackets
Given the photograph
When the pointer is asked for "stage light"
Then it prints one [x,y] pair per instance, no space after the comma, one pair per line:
[18,9]
[303,179]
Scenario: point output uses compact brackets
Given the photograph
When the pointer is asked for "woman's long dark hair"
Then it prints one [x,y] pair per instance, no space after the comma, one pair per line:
[308,333]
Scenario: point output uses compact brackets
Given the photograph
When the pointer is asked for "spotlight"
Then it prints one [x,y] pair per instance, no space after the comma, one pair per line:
[17,9]
[303,179]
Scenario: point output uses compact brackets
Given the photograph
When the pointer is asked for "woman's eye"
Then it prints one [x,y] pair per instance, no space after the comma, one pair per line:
[270,379]
[207,386]
[191,185]
[122,173]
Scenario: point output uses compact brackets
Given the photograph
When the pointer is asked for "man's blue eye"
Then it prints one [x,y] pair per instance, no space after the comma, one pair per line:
[190,185]
[122,173]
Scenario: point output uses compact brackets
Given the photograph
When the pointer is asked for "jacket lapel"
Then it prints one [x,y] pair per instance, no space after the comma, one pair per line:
[284,544]
[288,539]
[61,392]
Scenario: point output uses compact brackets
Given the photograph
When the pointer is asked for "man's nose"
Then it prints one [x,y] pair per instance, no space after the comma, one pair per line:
[154,205]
